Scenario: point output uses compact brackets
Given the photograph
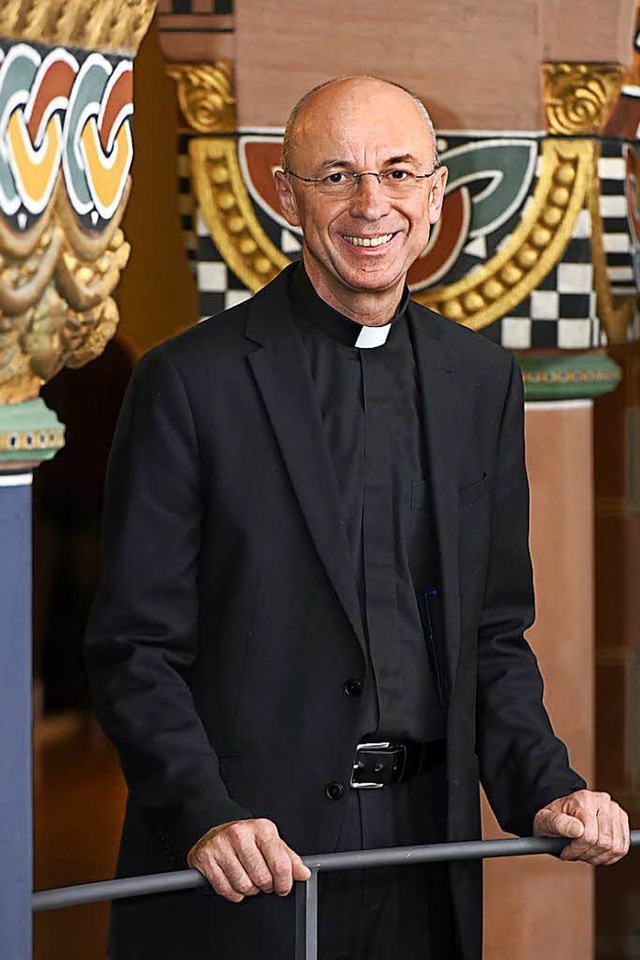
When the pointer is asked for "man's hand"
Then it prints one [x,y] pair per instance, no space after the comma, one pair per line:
[598,826]
[246,857]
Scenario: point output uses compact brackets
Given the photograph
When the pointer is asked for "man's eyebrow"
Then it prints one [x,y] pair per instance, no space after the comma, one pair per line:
[401,158]
[334,163]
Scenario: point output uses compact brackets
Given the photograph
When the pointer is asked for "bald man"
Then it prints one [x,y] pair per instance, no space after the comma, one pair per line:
[309,634]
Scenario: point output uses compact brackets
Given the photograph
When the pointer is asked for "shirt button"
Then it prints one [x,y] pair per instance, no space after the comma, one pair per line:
[334,790]
[353,687]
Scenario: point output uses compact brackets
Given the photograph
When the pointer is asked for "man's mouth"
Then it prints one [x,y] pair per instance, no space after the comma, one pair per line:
[369,241]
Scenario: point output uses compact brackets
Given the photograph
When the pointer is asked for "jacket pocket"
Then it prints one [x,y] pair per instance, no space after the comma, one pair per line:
[472,492]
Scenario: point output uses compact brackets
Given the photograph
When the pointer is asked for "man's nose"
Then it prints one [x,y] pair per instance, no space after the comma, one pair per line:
[370,200]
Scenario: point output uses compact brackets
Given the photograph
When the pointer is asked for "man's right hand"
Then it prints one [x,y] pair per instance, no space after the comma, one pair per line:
[246,857]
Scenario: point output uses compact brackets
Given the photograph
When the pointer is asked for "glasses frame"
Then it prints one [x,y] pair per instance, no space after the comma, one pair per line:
[357,177]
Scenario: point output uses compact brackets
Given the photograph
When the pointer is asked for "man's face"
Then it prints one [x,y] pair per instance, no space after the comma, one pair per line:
[354,126]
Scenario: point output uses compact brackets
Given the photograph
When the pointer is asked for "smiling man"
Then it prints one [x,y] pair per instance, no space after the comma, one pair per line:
[310,631]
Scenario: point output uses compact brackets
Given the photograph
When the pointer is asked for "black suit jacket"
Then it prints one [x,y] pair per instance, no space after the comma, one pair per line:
[227,620]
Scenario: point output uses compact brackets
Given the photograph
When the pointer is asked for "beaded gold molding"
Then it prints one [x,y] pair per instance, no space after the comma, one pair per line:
[229,215]
[579,97]
[117,25]
[536,244]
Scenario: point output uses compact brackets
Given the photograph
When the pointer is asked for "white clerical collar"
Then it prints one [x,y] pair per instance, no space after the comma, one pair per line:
[373,336]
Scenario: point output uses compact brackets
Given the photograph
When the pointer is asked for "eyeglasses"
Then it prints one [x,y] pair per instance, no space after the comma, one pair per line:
[343,184]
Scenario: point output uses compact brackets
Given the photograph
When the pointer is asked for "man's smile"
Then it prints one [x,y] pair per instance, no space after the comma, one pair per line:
[376,241]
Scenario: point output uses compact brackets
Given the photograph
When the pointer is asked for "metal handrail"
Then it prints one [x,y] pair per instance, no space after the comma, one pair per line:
[306,893]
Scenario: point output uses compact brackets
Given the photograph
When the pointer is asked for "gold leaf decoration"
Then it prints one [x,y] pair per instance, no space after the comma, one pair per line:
[229,214]
[117,25]
[578,97]
[55,301]
[205,95]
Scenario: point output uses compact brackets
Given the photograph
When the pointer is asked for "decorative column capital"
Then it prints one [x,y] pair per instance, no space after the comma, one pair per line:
[579,97]
[205,95]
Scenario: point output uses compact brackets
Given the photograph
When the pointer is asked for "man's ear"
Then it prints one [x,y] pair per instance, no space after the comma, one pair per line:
[287,198]
[436,198]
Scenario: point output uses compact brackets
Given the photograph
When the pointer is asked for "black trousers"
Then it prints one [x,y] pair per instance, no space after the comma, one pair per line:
[382,912]
[400,913]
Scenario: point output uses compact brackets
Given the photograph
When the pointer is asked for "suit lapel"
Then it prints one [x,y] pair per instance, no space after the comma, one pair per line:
[440,400]
[281,372]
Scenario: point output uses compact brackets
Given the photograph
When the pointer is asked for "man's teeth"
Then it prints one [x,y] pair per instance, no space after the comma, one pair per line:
[369,241]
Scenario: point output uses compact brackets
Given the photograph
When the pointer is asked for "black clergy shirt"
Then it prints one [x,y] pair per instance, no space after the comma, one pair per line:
[369,402]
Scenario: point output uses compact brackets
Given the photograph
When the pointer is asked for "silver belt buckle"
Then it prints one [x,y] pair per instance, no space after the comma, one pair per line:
[385,745]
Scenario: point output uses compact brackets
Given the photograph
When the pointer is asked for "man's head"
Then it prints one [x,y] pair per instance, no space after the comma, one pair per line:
[360,236]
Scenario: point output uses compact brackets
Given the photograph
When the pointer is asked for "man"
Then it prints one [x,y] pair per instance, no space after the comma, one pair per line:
[316,538]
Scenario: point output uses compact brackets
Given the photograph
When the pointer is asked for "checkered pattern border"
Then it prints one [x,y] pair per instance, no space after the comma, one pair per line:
[561,311]
[615,224]
[218,286]
[186,202]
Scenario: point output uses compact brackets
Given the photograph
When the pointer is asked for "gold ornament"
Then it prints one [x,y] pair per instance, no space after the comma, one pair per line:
[205,95]
[579,97]
[227,210]
[117,25]
[55,303]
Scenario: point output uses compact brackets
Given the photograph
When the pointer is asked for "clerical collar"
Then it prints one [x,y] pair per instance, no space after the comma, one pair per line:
[313,308]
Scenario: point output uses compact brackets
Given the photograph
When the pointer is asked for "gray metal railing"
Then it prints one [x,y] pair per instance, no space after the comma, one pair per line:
[306,893]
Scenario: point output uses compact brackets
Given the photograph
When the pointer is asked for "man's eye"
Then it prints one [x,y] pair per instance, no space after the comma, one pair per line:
[338,177]
[399,175]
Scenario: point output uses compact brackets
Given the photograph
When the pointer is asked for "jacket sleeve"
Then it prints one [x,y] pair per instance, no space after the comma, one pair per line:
[523,765]
[142,633]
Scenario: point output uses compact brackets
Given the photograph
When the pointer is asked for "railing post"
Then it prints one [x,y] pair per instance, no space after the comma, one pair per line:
[16,839]
[307,918]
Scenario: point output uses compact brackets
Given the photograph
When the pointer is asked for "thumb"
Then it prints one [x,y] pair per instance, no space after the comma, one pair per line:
[299,870]
[562,825]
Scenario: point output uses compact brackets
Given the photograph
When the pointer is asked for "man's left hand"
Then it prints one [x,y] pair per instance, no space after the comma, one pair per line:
[597,825]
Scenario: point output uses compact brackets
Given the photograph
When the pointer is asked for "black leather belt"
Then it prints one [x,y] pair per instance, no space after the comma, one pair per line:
[390,761]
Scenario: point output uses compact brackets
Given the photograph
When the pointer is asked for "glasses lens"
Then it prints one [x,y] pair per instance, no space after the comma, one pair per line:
[340,184]
[397,183]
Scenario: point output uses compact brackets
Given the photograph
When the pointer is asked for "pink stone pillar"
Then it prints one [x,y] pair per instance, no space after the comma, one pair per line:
[541,907]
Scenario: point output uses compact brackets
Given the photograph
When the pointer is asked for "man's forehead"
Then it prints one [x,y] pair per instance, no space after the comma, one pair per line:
[336,123]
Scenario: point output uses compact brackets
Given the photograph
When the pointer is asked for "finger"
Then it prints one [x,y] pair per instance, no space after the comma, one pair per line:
[255,865]
[219,882]
[227,859]
[618,846]
[554,823]
[600,852]
[278,859]
[580,846]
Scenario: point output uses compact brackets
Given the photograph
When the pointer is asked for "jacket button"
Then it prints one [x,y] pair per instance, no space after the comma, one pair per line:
[334,790]
[352,687]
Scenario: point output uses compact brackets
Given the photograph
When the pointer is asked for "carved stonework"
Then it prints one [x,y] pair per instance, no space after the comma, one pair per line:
[579,97]
[205,95]
[66,150]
